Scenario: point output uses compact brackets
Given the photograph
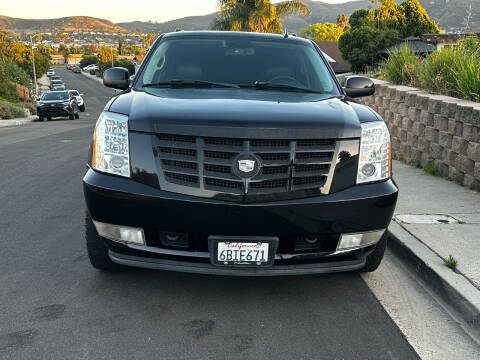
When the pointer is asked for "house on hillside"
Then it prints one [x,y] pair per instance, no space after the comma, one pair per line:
[57,59]
[443,41]
[415,44]
[331,49]
[130,58]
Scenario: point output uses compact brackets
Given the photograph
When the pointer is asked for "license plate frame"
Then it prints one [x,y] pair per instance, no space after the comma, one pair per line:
[214,240]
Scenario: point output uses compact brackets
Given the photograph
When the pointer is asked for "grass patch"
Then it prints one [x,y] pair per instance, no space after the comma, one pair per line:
[451,263]
[431,169]
[402,160]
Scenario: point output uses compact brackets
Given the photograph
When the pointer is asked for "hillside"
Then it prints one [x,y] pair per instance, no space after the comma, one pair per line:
[448,13]
[68,24]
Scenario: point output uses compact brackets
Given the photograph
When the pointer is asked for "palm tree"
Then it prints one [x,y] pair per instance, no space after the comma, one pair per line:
[256,15]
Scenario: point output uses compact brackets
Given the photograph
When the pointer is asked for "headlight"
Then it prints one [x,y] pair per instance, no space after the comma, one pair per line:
[110,145]
[66,103]
[375,153]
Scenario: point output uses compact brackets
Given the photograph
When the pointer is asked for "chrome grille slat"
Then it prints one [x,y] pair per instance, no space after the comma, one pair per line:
[208,163]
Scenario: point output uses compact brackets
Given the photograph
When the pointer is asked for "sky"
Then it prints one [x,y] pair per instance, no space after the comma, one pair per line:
[113,10]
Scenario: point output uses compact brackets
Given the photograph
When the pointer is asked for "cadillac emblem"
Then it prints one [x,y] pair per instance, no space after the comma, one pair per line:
[246,166]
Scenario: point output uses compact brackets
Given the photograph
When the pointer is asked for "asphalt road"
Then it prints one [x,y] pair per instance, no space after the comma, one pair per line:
[54,305]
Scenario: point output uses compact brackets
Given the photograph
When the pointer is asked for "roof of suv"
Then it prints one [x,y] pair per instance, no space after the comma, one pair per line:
[239,34]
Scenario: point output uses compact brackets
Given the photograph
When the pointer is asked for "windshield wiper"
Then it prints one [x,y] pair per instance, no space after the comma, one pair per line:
[267,85]
[190,83]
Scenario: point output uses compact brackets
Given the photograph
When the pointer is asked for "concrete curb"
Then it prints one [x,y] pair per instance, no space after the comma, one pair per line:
[452,288]
[19,121]
[93,77]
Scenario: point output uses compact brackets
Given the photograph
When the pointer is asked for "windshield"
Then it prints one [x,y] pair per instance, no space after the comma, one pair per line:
[75,93]
[55,96]
[238,61]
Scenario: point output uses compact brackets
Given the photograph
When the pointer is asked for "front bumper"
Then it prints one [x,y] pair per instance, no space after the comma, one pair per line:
[54,111]
[122,201]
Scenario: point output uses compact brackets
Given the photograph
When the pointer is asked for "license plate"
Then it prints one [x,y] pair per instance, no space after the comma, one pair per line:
[243,251]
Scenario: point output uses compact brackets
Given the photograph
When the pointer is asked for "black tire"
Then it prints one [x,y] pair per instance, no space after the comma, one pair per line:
[41,118]
[375,257]
[49,118]
[77,115]
[71,116]
[97,250]
[82,108]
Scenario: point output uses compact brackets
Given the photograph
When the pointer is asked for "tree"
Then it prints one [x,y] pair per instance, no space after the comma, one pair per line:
[148,40]
[121,46]
[360,46]
[417,21]
[377,29]
[323,32]
[4,43]
[133,49]
[342,21]
[88,60]
[64,50]
[358,18]
[105,54]
[256,15]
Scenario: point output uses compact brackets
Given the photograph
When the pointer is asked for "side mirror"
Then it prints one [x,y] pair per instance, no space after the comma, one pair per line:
[359,86]
[116,78]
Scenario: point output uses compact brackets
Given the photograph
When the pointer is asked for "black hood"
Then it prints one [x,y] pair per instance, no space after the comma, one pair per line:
[241,113]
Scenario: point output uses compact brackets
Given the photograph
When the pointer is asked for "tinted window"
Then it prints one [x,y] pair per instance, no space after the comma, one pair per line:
[74,93]
[238,61]
[49,96]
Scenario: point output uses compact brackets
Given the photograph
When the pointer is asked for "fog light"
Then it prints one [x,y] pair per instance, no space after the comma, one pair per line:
[350,242]
[120,233]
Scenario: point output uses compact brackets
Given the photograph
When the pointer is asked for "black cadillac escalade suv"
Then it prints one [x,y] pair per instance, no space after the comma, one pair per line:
[238,154]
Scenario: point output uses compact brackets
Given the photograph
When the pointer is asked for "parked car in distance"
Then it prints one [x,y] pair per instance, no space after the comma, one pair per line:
[78,96]
[55,83]
[76,69]
[56,104]
[55,77]
[50,72]
[59,88]
[69,67]
[238,154]
[90,67]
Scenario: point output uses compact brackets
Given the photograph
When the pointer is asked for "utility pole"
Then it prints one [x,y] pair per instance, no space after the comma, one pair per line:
[111,52]
[33,62]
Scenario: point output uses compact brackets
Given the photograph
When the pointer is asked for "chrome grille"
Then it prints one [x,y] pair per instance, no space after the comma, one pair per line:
[206,163]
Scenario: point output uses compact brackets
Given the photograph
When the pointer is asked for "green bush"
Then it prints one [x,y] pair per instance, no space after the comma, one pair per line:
[438,71]
[88,60]
[92,71]
[401,67]
[126,64]
[10,111]
[468,78]
[31,107]
[8,91]
[13,72]
[471,45]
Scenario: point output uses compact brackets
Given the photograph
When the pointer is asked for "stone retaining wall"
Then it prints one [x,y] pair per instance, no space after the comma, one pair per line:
[431,129]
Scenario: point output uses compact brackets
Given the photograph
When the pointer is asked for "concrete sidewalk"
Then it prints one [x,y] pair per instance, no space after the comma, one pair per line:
[18,121]
[436,218]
